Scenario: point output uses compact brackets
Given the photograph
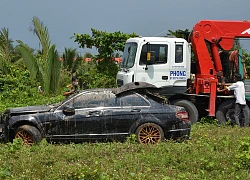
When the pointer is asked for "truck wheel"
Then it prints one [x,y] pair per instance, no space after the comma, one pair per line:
[149,133]
[225,112]
[190,108]
[28,134]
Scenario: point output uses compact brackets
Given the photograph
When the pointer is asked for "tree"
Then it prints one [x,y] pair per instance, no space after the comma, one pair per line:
[87,55]
[180,34]
[5,42]
[46,66]
[41,31]
[52,71]
[6,50]
[68,58]
[106,44]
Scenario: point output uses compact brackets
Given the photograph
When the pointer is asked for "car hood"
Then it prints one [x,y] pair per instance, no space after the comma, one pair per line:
[29,109]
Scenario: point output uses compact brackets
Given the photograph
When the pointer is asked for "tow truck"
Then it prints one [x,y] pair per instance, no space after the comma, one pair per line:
[166,63]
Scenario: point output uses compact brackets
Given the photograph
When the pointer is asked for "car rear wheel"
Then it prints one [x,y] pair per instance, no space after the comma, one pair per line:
[190,108]
[149,133]
[28,134]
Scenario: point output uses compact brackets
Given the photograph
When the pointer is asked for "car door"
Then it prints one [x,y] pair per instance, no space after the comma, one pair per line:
[139,107]
[88,115]
[53,124]
[116,117]
[86,122]
[127,110]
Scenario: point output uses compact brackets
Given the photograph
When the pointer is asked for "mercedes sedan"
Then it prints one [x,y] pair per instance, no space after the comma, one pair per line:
[97,115]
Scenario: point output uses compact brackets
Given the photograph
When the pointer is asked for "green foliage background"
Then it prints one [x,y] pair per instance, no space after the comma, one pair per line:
[23,69]
[17,89]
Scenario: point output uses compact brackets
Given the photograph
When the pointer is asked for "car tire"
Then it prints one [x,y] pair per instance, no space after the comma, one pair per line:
[149,133]
[29,134]
[190,108]
[225,111]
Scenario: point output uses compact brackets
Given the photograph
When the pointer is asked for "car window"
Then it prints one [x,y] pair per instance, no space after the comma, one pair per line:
[111,100]
[133,100]
[88,100]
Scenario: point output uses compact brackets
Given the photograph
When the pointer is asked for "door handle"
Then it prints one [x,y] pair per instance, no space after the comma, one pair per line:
[164,77]
[135,110]
[94,113]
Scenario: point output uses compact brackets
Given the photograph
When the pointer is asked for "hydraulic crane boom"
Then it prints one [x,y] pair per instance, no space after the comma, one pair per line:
[218,34]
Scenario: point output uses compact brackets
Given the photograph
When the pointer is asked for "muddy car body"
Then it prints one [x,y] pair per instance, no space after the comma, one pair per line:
[98,114]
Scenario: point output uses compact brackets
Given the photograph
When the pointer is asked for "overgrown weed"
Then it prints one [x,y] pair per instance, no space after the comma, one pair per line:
[214,152]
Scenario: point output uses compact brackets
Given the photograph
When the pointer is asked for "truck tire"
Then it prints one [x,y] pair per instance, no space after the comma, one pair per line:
[29,134]
[190,108]
[225,112]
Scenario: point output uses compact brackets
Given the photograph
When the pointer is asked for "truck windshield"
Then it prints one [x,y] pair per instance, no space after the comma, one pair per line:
[129,53]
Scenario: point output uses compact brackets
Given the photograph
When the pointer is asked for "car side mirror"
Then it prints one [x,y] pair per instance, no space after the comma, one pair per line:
[68,111]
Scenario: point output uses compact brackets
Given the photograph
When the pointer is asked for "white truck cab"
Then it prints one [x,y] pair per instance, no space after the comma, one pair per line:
[168,67]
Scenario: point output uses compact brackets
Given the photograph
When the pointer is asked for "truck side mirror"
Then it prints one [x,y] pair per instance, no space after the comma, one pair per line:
[151,57]
[148,56]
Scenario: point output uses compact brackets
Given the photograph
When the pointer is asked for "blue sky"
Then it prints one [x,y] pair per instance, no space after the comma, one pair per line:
[144,17]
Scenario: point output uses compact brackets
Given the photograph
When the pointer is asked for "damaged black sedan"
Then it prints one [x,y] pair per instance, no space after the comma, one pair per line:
[98,114]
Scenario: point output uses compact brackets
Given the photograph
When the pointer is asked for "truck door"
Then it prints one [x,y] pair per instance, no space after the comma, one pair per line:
[179,67]
[155,72]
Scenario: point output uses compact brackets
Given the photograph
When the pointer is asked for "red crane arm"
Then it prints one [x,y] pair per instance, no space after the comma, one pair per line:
[217,34]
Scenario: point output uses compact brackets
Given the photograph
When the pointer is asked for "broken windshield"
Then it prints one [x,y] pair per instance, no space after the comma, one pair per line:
[129,53]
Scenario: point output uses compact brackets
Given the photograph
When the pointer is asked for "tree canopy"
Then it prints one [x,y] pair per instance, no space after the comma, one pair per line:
[107,45]
[180,33]
[105,42]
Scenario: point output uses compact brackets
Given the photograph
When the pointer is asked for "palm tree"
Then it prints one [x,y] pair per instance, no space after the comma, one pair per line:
[5,42]
[69,56]
[52,71]
[41,31]
[6,49]
[30,61]
[46,66]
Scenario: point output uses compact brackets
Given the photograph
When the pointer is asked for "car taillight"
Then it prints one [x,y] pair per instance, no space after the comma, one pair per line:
[182,115]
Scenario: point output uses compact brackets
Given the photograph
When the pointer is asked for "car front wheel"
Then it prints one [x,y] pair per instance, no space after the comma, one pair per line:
[28,134]
[149,133]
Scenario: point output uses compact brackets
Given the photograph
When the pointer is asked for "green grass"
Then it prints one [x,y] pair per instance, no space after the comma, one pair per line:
[214,152]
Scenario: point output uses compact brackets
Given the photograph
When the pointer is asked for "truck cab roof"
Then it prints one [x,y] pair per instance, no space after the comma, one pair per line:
[158,39]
